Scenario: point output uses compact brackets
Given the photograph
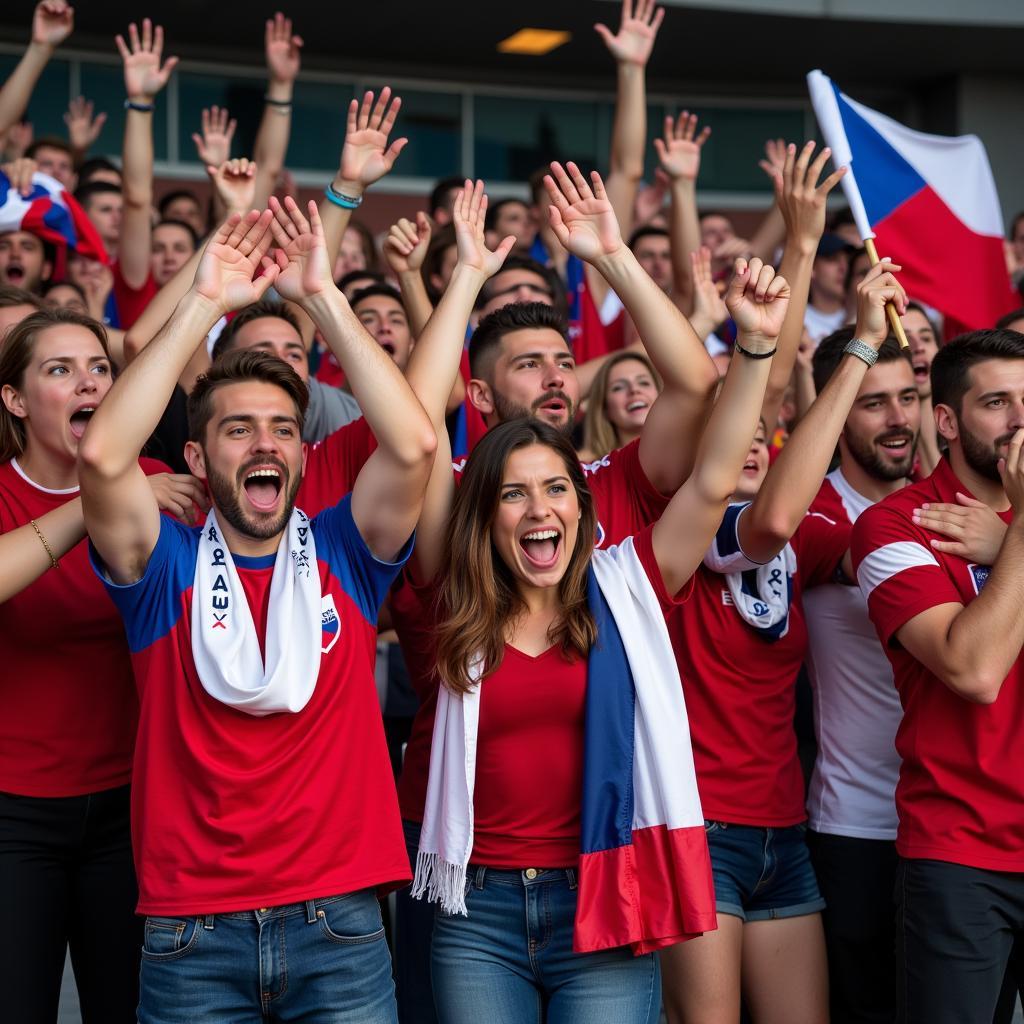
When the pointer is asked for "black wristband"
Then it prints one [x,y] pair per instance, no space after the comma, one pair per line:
[755,355]
[277,103]
[143,108]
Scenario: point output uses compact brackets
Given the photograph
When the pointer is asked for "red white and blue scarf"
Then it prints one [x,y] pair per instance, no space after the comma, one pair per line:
[644,870]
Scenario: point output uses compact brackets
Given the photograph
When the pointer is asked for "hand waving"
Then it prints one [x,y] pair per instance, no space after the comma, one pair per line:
[637,32]
[214,145]
[757,300]
[83,128]
[801,199]
[709,308]
[581,215]
[235,182]
[301,252]
[366,156]
[144,75]
[283,50]
[235,254]
[52,22]
[468,214]
[679,151]
[405,248]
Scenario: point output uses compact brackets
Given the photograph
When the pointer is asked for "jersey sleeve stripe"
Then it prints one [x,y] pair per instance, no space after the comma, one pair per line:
[885,562]
[726,554]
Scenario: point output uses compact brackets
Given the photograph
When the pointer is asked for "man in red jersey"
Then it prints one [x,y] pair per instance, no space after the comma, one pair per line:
[953,632]
[259,847]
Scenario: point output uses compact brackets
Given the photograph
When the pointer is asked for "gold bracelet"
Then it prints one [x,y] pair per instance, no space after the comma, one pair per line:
[54,564]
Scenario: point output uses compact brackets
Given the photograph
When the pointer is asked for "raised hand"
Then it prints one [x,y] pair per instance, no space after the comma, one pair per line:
[235,254]
[83,128]
[679,151]
[774,157]
[366,156]
[468,215]
[709,309]
[975,532]
[650,199]
[637,31]
[283,50]
[235,184]
[213,147]
[52,22]
[301,252]
[144,74]
[757,299]
[878,287]
[581,215]
[405,248]
[801,199]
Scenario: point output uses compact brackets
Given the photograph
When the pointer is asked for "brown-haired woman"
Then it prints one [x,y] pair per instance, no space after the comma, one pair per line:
[621,396]
[67,697]
[535,632]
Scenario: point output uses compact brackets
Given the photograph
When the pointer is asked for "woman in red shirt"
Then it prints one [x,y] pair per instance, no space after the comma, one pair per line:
[67,696]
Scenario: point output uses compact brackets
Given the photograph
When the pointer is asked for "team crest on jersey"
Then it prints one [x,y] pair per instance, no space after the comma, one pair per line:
[979,575]
[330,624]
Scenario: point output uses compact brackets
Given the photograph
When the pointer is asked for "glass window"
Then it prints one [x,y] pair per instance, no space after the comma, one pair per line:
[49,100]
[318,124]
[432,121]
[104,85]
[243,98]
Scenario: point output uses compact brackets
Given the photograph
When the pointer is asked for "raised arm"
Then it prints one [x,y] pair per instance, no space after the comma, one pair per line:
[121,513]
[585,224]
[972,649]
[679,154]
[801,201]
[434,363]
[757,301]
[631,47]
[52,23]
[388,493]
[83,128]
[213,147]
[796,476]
[283,54]
[405,248]
[145,74]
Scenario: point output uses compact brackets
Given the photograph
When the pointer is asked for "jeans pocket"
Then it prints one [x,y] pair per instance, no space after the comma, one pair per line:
[712,826]
[351,920]
[170,938]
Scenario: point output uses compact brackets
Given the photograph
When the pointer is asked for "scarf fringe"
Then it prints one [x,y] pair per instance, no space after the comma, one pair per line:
[441,881]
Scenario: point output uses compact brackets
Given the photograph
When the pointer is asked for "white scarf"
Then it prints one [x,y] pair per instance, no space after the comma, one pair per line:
[225,646]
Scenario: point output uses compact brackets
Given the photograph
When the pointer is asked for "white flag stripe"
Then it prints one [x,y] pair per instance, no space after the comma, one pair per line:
[885,562]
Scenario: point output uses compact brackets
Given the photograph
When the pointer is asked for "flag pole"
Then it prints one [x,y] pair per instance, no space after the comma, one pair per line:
[894,318]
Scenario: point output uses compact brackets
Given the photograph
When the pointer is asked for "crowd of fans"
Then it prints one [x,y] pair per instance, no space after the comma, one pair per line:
[491,563]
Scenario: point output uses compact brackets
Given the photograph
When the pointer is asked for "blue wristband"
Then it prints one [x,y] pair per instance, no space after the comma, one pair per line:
[345,202]
[144,108]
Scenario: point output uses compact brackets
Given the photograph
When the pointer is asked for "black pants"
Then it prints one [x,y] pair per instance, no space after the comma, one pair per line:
[956,928]
[856,878]
[66,877]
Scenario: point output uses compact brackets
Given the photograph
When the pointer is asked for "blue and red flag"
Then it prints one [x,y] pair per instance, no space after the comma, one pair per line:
[50,213]
[929,201]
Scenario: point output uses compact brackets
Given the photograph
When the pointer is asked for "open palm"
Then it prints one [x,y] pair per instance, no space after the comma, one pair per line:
[366,156]
[225,275]
[469,212]
[581,215]
[144,75]
[301,251]
[637,31]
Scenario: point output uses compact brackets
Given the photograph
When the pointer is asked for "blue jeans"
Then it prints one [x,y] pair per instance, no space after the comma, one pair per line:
[324,961]
[762,873]
[511,960]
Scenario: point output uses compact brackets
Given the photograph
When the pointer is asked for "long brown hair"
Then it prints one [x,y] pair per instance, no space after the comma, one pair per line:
[19,345]
[478,598]
[600,435]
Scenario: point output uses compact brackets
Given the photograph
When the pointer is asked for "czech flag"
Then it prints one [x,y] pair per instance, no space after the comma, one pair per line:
[929,200]
[50,213]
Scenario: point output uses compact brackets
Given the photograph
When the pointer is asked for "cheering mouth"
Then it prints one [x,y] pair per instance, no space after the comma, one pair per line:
[541,548]
[263,486]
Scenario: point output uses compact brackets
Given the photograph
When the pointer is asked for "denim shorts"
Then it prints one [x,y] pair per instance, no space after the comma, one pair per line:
[762,873]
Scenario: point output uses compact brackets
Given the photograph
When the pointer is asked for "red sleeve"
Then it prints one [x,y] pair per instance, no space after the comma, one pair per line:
[333,465]
[626,500]
[820,543]
[898,573]
[130,301]
[644,545]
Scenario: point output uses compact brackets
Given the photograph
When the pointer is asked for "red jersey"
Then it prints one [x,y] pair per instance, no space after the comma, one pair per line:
[131,302]
[332,466]
[68,708]
[232,811]
[961,782]
[626,502]
[740,688]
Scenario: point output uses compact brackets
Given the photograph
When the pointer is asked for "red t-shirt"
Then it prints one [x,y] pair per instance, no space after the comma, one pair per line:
[529,762]
[332,466]
[131,302]
[626,502]
[232,811]
[960,795]
[68,708]
[740,688]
